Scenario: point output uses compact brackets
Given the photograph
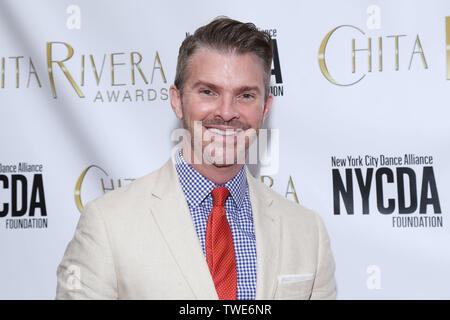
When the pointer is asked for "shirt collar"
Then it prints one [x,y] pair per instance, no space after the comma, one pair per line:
[197,187]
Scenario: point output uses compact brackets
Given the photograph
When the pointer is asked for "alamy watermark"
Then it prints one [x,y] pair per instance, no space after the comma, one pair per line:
[229,146]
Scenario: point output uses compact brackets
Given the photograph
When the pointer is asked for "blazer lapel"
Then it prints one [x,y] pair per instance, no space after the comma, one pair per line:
[268,238]
[171,213]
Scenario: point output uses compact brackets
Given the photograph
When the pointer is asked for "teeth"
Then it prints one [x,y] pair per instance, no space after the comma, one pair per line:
[224,132]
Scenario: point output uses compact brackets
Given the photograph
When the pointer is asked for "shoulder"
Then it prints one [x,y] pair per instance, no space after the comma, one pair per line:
[132,196]
[287,210]
[302,229]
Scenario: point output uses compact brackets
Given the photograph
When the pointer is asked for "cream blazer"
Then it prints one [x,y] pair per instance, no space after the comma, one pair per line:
[139,242]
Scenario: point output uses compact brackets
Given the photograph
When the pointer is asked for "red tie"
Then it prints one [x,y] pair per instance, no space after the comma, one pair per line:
[219,247]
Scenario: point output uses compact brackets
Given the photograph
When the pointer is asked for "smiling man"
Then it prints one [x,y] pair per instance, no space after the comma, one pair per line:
[202,227]
[221,95]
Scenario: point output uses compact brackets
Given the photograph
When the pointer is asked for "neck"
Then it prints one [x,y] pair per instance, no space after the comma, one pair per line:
[217,174]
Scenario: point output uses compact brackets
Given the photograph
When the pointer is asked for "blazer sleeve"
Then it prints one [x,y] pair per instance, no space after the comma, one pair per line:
[324,284]
[87,268]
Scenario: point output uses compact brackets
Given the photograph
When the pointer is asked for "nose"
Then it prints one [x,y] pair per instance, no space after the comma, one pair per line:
[227,108]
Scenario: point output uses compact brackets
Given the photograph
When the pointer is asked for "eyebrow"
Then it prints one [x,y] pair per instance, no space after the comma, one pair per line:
[247,88]
[215,87]
[206,84]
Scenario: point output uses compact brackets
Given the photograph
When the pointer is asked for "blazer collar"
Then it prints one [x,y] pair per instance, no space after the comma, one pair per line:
[268,238]
[171,213]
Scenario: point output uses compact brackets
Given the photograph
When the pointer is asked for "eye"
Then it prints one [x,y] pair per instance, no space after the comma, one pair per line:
[247,96]
[206,92]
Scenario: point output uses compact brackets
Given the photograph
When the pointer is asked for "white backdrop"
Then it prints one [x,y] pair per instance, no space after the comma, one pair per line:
[122,124]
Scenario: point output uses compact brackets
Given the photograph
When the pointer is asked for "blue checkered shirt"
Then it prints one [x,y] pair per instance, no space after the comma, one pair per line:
[197,190]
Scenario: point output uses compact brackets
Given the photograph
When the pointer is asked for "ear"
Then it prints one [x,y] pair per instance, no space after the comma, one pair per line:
[175,101]
[267,106]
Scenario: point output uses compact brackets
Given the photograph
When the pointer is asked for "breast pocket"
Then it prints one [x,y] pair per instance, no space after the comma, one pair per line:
[294,287]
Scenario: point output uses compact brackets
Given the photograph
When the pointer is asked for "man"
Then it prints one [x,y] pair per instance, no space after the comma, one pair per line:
[202,227]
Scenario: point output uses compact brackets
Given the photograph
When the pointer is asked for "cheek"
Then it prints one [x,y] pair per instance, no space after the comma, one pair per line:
[195,110]
[254,117]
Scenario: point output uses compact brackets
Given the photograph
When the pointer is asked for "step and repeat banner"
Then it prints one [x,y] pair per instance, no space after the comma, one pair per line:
[360,117]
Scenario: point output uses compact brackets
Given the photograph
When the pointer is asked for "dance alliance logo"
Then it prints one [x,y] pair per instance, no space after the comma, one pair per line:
[276,89]
[114,77]
[22,196]
[402,187]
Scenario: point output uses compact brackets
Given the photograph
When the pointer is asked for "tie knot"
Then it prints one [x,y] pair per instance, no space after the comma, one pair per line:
[219,195]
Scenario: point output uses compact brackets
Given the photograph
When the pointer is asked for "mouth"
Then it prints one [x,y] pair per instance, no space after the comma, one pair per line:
[224,131]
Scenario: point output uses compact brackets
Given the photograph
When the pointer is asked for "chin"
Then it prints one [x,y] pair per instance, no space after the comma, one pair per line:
[226,161]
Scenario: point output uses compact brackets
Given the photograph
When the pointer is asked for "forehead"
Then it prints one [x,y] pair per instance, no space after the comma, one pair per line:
[225,69]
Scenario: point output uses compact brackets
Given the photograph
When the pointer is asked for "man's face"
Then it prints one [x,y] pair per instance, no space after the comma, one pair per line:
[222,104]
